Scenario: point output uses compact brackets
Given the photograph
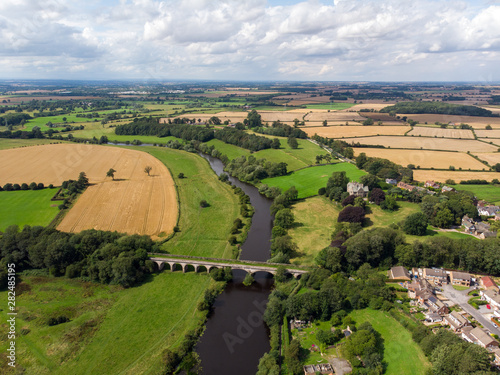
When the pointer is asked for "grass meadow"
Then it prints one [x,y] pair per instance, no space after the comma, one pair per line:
[27,207]
[300,157]
[203,231]
[490,193]
[315,219]
[308,180]
[401,353]
[111,330]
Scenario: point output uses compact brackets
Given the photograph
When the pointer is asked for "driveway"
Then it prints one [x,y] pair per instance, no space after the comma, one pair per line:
[460,298]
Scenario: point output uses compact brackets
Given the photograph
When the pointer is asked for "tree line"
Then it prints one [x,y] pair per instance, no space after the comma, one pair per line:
[438,108]
[105,257]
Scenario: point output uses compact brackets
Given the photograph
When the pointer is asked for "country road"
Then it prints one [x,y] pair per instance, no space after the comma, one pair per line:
[460,298]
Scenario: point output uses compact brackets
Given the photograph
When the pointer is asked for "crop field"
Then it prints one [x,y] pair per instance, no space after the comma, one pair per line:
[402,354]
[491,158]
[339,116]
[441,133]
[308,180]
[488,133]
[371,105]
[316,217]
[442,176]
[111,330]
[424,158]
[134,203]
[463,145]
[330,106]
[355,131]
[203,231]
[288,116]
[27,207]
[474,121]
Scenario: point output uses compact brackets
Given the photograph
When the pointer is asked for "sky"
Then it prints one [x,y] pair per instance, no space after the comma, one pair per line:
[251,40]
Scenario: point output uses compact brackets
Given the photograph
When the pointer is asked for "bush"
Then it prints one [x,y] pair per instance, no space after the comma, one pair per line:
[204,203]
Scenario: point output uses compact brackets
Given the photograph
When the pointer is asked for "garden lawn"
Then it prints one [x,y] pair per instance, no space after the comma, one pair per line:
[308,341]
[27,207]
[315,218]
[402,354]
[308,180]
[203,231]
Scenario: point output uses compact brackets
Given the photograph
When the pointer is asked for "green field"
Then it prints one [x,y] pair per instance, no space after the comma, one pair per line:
[203,231]
[308,180]
[6,143]
[490,193]
[27,207]
[315,218]
[402,354]
[382,218]
[111,330]
[332,106]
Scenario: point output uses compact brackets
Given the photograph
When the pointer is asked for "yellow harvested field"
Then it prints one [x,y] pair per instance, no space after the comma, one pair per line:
[457,176]
[462,145]
[474,121]
[355,131]
[283,116]
[488,133]
[441,133]
[133,203]
[423,158]
[374,106]
[490,158]
[321,115]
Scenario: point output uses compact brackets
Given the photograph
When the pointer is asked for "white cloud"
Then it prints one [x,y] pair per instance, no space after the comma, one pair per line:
[234,39]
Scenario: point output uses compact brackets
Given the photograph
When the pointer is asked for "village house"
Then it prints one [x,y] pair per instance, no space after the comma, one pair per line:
[488,283]
[460,278]
[446,188]
[480,337]
[436,306]
[497,215]
[433,317]
[357,189]
[491,296]
[468,225]
[435,276]
[391,181]
[456,321]
[481,227]
[323,368]
[399,273]
[432,184]
[405,186]
[488,210]
[496,352]
[418,288]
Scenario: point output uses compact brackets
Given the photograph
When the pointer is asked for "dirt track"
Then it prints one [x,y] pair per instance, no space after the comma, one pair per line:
[133,203]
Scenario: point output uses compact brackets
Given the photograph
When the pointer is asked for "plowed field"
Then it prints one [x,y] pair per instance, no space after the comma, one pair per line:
[132,203]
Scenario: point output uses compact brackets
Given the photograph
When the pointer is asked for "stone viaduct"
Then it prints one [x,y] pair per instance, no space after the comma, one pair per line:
[209,264]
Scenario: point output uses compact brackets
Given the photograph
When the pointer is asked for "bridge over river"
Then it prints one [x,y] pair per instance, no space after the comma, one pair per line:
[209,263]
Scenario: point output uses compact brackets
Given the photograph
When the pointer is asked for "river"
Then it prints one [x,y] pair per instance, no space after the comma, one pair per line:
[236,337]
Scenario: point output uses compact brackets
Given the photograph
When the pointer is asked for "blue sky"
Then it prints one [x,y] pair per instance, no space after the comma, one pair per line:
[337,40]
